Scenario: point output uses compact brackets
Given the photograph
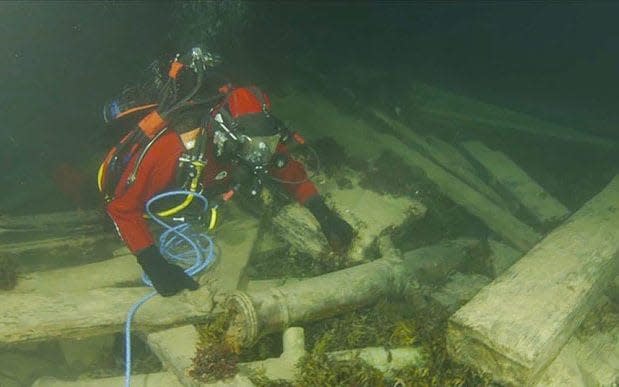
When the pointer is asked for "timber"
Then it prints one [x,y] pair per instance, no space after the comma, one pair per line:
[43,245]
[514,327]
[368,212]
[591,356]
[444,154]
[363,142]
[467,113]
[62,219]
[441,108]
[84,301]
[160,379]
[37,317]
[52,240]
[109,273]
[510,178]
[175,349]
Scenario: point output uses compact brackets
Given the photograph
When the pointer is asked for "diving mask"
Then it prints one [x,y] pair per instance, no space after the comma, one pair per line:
[258,150]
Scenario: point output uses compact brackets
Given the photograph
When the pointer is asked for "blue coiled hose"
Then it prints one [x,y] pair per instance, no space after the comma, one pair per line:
[178,243]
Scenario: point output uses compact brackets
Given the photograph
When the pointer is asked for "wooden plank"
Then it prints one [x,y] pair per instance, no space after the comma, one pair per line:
[86,311]
[37,317]
[234,240]
[160,379]
[122,270]
[368,212]
[444,154]
[109,273]
[52,220]
[176,348]
[317,118]
[535,200]
[458,290]
[515,326]
[501,258]
[426,100]
[60,243]
[590,357]
[60,251]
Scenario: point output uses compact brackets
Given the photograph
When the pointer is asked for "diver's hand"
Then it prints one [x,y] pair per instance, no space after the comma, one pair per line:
[168,279]
[338,232]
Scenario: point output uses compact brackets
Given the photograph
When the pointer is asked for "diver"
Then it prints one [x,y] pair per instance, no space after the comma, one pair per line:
[197,131]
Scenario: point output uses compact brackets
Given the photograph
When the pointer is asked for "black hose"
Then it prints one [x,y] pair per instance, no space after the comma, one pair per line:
[182,103]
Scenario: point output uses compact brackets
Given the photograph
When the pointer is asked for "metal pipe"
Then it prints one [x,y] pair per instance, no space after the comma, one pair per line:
[274,309]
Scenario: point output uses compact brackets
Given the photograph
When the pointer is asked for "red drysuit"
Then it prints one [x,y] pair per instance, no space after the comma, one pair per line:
[157,173]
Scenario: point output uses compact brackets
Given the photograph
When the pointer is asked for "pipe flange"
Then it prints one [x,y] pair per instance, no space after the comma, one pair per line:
[244,327]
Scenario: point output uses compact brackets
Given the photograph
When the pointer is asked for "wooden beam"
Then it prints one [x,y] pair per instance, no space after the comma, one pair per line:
[510,178]
[471,114]
[38,317]
[515,326]
[51,220]
[62,303]
[160,379]
[444,154]
[318,118]
[590,357]
[42,246]
[368,212]
[175,348]
[109,273]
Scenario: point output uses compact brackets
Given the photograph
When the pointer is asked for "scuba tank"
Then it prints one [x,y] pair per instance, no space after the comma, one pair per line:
[142,136]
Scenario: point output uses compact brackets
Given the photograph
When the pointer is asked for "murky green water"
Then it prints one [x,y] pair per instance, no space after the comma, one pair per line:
[63,60]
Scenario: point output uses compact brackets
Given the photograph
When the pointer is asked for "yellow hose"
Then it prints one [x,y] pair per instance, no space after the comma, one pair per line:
[178,208]
[100,177]
[193,187]
[213,222]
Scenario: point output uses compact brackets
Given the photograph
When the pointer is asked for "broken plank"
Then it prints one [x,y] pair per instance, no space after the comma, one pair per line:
[510,178]
[515,326]
[320,118]
[446,155]
[368,212]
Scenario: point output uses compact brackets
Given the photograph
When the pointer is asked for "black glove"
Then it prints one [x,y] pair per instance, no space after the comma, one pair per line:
[167,279]
[337,231]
